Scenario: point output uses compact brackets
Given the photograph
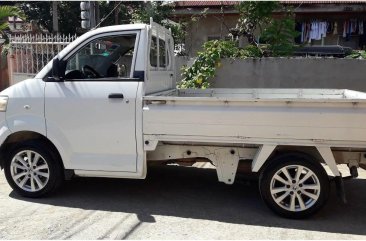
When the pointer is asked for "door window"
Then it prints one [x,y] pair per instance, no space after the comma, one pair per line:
[159,57]
[154,52]
[107,57]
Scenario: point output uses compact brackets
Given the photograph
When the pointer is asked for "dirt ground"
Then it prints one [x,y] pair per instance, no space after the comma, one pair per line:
[172,203]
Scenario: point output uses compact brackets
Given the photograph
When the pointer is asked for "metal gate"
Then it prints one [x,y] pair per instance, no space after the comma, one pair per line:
[30,53]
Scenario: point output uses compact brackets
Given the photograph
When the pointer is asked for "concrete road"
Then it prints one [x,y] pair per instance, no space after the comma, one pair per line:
[172,203]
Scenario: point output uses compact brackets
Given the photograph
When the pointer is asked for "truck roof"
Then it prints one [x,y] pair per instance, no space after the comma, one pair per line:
[118,28]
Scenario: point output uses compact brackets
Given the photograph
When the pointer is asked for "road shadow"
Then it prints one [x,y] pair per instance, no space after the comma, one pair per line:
[195,193]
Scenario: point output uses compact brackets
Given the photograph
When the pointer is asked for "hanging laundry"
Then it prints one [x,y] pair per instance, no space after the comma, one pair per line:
[303,28]
[360,28]
[318,30]
[353,26]
[335,28]
[323,29]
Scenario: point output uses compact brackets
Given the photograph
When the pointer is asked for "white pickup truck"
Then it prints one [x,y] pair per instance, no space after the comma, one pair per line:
[107,106]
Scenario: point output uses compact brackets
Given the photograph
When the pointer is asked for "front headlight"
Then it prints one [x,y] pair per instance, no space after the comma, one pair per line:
[3,103]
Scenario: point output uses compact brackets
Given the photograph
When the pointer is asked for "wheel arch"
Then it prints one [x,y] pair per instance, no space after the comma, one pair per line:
[25,136]
[282,150]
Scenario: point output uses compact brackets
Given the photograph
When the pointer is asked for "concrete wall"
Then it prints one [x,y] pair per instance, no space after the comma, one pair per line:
[289,73]
[211,26]
[180,61]
[292,73]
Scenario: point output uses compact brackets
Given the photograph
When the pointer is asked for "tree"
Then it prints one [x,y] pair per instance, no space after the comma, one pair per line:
[123,13]
[160,12]
[5,12]
[280,36]
[278,33]
[253,14]
[40,12]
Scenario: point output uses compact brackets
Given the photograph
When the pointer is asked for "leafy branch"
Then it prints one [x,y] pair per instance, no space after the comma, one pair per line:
[204,67]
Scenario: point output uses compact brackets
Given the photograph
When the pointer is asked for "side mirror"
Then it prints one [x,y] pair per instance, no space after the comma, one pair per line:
[58,70]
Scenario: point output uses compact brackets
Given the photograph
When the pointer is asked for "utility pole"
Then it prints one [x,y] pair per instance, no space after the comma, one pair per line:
[116,12]
[92,14]
[55,17]
[97,12]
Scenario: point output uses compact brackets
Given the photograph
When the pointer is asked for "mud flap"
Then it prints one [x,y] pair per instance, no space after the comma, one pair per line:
[340,188]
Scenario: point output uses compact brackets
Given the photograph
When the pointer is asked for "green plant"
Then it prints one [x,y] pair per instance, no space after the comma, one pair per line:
[159,11]
[279,36]
[253,14]
[8,11]
[278,33]
[357,54]
[204,67]
[178,31]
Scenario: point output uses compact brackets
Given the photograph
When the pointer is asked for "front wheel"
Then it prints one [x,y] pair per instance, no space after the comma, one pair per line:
[32,171]
[294,186]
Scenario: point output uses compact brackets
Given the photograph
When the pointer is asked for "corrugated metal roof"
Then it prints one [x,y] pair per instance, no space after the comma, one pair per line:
[321,2]
[230,3]
[204,3]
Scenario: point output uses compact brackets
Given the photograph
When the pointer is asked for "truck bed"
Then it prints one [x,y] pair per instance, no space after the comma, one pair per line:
[307,116]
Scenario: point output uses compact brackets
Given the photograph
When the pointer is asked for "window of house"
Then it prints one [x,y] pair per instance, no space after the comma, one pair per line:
[105,57]
[209,38]
[226,38]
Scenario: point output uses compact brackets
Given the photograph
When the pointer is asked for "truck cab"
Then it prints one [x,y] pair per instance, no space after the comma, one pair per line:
[87,102]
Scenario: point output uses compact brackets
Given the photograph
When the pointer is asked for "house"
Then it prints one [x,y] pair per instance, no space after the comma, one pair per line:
[214,19]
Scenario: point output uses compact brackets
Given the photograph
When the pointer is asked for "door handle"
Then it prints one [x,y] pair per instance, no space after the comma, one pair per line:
[115,96]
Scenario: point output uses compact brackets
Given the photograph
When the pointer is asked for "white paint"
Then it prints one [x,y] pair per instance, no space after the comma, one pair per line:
[225,159]
[261,114]
[262,155]
[97,136]
[97,133]
[328,157]
[160,78]
[28,92]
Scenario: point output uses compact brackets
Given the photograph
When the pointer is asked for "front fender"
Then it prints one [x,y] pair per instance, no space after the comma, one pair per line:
[4,133]
[23,122]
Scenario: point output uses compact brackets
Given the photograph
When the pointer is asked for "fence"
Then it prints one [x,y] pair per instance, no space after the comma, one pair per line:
[30,53]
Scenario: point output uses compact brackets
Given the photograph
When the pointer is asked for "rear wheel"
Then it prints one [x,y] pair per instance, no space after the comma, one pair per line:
[294,186]
[32,171]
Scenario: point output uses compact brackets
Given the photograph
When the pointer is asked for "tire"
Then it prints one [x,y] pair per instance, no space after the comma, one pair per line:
[302,196]
[41,178]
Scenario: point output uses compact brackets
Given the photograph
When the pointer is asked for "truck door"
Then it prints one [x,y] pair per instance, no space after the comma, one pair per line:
[91,114]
